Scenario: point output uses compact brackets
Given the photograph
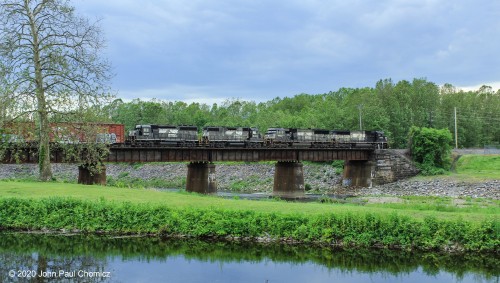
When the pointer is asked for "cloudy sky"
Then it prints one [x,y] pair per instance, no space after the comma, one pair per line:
[211,50]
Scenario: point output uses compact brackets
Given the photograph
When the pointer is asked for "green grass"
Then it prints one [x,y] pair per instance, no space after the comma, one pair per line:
[421,223]
[125,181]
[418,208]
[479,166]
[445,204]
[471,168]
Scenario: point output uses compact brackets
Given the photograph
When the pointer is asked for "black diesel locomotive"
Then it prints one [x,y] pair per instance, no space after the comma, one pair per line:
[249,137]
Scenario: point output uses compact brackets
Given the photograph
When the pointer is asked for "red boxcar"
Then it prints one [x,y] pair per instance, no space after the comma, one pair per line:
[71,132]
[117,129]
[101,132]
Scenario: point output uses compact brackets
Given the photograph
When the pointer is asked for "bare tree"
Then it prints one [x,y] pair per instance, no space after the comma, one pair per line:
[51,63]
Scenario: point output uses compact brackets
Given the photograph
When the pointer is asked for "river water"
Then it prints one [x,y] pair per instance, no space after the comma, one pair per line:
[79,258]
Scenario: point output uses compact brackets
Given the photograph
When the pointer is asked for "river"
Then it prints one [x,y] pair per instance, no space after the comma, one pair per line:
[34,257]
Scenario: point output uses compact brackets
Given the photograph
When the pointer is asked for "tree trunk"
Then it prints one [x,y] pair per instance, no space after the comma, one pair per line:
[44,129]
[44,149]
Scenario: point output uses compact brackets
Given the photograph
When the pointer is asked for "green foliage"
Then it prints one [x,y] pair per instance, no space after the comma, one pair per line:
[240,185]
[430,148]
[339,166]
[485,166]
[343,229]
[57,248]
[391,107]
[62,82]
[426,223]
[444,204]
[33,190]
[308,187]
[125,181]
[247,184]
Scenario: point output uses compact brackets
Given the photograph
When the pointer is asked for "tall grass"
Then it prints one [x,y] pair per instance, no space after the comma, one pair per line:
[341,229]
[420,223]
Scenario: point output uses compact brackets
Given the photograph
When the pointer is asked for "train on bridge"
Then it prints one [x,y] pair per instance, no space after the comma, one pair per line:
[250,137]
[152,135]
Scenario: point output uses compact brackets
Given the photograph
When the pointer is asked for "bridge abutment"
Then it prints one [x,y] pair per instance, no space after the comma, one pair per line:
[357,173]
[288,179]
[87,176]
[201,178]
[392,165]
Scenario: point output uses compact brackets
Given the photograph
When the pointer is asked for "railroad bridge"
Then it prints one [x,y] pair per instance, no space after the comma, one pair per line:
[288,178]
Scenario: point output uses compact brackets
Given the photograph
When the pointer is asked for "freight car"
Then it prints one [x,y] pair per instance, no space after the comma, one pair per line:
[66,132]
[188,136]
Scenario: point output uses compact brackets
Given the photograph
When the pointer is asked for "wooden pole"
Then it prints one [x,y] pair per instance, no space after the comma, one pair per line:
[456,135]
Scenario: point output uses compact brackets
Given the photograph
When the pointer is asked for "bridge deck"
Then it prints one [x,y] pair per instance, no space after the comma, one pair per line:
[233,154]
[197,154]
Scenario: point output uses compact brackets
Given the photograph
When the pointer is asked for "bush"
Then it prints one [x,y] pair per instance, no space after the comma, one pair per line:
[348,229]
[339,166]
[430,149]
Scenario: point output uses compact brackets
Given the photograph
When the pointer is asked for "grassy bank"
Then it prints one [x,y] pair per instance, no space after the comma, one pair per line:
[113,210]
[479,166]
[414,207]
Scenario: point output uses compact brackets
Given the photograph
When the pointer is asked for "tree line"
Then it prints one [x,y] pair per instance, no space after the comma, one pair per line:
[391,107]
[52,71]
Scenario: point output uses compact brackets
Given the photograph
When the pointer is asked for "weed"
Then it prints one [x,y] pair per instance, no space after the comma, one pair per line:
[123,175]
[339,166]
[420,223]
[308,187]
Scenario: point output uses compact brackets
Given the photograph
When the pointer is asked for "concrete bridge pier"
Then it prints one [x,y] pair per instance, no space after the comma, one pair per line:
[201,178]
[288,179]
[357,173]
[87,177]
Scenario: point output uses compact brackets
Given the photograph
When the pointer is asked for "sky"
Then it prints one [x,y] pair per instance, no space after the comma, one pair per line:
[208,51]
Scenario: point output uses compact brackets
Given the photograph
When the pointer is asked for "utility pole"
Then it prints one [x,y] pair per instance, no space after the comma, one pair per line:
[456,135]
[360,123]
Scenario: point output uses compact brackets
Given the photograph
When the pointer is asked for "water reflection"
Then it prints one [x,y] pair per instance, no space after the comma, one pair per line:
[132,259]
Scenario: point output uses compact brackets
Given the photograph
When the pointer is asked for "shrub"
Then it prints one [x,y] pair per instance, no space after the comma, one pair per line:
[339,166]
[348,229]
[430,149]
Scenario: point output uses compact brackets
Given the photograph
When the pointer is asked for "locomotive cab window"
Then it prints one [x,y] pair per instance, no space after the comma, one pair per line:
[146,131]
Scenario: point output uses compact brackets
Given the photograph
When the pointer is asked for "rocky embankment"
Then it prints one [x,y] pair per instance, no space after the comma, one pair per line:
[259,178]
[234,177]
[438,187]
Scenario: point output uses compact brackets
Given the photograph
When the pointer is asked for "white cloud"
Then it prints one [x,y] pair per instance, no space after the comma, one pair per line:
[393,14]
[212,50]
[494,85]
[189,94]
